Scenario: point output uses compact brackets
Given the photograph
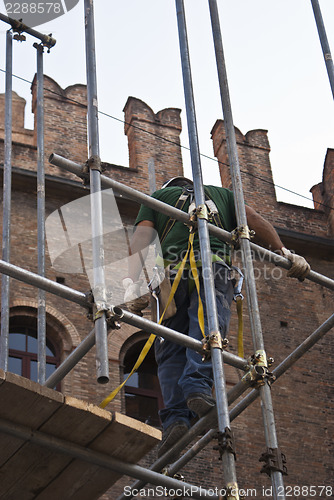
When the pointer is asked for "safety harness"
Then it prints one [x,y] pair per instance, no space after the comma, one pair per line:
[213,216]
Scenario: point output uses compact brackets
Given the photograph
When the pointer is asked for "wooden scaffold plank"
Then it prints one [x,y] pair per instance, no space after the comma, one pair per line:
[29,471]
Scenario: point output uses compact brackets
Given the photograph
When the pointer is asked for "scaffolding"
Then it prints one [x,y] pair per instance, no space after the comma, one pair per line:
[257,375]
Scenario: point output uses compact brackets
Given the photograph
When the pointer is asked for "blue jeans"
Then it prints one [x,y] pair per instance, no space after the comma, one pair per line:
[181,371]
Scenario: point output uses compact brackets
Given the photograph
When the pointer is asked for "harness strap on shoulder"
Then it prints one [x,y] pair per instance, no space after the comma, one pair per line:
[181,201]
[213,211]
[194,271]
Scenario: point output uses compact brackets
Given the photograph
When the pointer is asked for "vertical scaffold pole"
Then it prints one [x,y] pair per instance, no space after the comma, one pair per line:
[324,42]
[267,409]
[96,198]
[228,459]
[7,188]
[41,318]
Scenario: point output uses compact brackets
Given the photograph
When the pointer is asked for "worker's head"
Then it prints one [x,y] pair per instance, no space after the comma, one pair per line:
[178,181]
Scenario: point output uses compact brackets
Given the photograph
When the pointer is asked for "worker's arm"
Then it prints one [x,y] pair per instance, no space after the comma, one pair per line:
[266,235]
[140,241]
[138,251]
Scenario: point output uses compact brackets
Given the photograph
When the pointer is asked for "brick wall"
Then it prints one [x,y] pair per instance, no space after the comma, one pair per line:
[65,129]
[154,147]
[253,152]
[152,138]
[290,310]
[19,133]
[323,193]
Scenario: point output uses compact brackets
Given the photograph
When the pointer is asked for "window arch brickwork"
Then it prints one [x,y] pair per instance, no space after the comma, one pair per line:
[60,331]
[60,327]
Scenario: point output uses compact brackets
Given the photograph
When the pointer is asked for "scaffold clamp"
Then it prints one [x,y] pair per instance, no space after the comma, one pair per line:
[94,163]
[241,232]
[19,37]
[275,461]
[202,212]
[258,373]
[214,340]
[90,303]
[99,309]
[225,443]
[18,27]
[40,47]
[113,314]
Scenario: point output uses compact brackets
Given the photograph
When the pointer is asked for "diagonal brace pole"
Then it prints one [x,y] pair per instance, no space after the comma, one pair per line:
[304,347]
[210,419]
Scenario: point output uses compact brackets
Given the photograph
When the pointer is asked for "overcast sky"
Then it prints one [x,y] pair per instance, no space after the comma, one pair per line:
[276,72]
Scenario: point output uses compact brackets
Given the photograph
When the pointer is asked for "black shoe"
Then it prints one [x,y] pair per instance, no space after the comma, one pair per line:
[200,403]
[171,435]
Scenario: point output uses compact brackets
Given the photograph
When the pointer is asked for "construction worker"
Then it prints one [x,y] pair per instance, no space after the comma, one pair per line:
[185,380]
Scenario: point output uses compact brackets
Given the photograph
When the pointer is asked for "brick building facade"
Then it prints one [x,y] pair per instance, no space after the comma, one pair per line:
[290,310]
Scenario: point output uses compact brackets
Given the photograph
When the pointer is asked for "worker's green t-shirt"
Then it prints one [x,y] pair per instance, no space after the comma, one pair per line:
[176,243]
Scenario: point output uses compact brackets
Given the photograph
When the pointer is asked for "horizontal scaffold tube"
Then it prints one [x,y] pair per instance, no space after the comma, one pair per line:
[120,314]
[103,460]
[178,338]
[18,26]
[304,347]
[147,200]
[43,283]
[128,192]
[143,324]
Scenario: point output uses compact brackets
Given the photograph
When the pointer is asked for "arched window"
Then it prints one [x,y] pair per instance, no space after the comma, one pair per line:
[143,397]
[23,352]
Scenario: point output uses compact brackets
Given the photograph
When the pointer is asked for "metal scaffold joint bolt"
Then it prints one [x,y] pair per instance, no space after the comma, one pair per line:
[19,37]
[275,461]
[213,341]
[202,212]
[113,314]
[241,232]
[39,47]
[94,163]
[260,358]
[225,443]
[258,373]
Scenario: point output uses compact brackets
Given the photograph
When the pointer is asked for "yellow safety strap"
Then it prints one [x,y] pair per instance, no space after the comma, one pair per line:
[152,337]
[194,271]
[139,361]
[239,301]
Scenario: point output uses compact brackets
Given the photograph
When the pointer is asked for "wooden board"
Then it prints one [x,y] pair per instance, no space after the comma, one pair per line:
[29,471]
